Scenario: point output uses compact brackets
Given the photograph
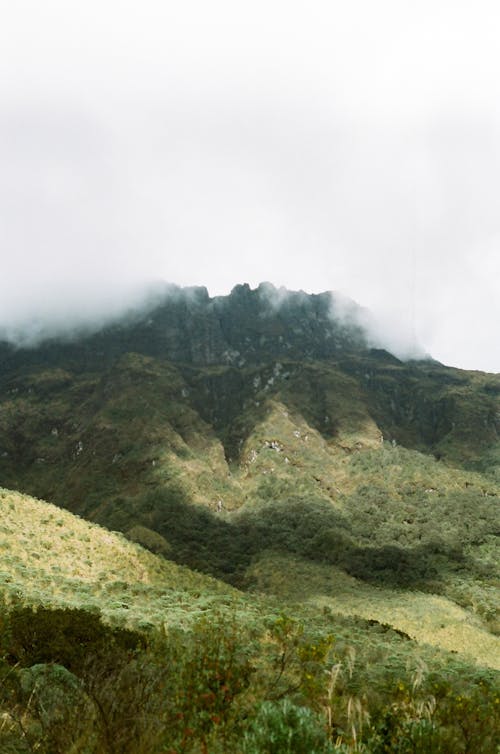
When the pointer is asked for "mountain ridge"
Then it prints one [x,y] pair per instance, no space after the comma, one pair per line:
[193,328]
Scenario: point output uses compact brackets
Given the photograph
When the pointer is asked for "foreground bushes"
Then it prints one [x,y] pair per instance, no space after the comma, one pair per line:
[71,685]
[63,636]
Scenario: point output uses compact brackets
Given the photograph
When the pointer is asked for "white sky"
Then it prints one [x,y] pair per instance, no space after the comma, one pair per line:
[350,146]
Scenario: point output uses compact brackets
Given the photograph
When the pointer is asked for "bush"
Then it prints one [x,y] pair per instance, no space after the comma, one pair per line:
[63,636]
[285,728]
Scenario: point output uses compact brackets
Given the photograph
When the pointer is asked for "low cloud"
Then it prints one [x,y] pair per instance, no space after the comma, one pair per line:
[66,316]
[210,144]
[380,329]
[63,317]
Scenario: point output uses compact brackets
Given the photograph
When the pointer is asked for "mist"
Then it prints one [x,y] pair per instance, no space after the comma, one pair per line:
[69,318]
[352,149]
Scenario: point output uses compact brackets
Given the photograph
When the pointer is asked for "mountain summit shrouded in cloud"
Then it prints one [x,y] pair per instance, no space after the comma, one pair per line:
[212,143]
[289,321]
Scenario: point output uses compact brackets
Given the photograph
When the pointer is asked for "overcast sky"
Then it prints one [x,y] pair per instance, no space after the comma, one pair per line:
[343,145]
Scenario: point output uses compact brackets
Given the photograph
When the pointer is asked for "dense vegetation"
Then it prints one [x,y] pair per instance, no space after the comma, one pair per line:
[204,668]
[71,684]
[321,530]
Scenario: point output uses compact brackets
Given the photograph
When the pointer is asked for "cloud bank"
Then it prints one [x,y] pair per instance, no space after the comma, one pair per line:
[350,147]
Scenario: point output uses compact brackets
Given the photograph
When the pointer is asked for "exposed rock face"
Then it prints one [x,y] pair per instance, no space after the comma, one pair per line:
[189,327]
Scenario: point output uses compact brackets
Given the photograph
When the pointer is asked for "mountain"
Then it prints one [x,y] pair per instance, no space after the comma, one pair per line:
[191,426]
[273,461]
[178,395]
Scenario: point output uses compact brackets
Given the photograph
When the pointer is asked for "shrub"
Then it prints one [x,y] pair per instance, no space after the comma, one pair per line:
[64,636]
[285,728]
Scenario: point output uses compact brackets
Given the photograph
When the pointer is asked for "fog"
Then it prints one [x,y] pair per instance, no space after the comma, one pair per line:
[352,147]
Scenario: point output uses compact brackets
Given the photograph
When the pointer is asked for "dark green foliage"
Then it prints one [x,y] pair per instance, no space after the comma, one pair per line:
[357,540]
[62,636]
[213,668]
[61,712]
[441,715]
[225,688]
[285,728]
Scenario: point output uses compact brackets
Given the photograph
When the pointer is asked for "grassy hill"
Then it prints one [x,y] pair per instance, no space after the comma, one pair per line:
[303,631]
[52,558]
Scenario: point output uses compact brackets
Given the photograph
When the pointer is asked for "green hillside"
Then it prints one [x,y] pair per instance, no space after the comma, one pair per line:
[52,558]
[313,508]
[305,644]
[131,449]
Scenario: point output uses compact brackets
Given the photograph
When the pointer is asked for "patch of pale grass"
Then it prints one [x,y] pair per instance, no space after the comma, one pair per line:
[49,556]
[427,618]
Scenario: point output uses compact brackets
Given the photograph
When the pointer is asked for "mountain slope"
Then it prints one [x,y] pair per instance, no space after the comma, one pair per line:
[52,558]
[213,430]
[351,498]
